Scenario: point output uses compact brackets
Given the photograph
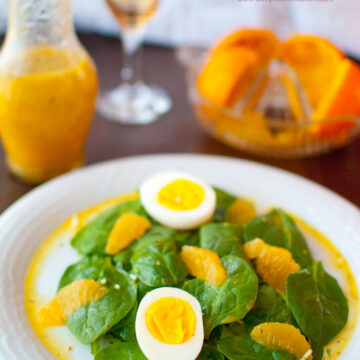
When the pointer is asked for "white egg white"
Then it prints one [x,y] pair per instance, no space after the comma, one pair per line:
[156,350]
[181,220]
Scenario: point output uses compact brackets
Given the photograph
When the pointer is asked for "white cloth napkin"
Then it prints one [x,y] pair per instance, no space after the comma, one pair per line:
[201,21]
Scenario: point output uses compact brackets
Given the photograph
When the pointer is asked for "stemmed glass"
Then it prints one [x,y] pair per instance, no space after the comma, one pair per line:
[133,102]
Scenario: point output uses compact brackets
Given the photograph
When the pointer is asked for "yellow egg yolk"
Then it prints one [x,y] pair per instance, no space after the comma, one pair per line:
[181,195]
[171,320]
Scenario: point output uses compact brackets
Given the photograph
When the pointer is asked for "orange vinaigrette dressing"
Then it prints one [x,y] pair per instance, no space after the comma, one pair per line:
[47,98]
[62,235]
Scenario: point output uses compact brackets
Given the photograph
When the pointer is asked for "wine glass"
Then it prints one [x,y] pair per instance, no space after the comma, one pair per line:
[133,102]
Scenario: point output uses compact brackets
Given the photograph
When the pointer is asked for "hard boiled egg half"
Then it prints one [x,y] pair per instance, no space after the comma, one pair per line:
[178,200]
[169,325]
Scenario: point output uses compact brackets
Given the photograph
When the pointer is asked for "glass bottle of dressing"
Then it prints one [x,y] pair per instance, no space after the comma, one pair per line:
[48,87]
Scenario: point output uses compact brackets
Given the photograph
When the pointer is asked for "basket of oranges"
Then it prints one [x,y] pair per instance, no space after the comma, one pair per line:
[292,98]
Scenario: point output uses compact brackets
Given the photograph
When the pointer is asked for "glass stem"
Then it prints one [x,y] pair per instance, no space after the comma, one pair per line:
[132,39]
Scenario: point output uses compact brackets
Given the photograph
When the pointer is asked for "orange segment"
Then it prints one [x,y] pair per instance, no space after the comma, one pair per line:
[342,96]
[204,264]
[273,263]
[227,75]
[240,212]
[283,336]
[262,41]
[315,61]
[69,299]
[127,229]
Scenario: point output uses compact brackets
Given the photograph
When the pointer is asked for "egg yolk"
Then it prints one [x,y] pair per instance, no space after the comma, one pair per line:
[181,195]
[171,320]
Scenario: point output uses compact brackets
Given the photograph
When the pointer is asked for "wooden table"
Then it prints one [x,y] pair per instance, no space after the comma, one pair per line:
[178,131]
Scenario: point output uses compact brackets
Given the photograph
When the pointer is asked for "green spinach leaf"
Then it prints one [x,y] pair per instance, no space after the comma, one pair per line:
[182,238]
[230,301]
[103,341]
[222,238]
[159,264]
[317,303]
[243,347]
[121,351]
[89,267]
[270,306]
[125,328]
[210,353]
[223,201]
[91,321]
[92,238]
[279,229]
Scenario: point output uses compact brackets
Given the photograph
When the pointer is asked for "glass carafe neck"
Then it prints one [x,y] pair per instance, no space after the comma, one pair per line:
[39,22]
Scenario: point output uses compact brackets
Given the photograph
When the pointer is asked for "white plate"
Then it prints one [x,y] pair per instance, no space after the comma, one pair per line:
[26,223]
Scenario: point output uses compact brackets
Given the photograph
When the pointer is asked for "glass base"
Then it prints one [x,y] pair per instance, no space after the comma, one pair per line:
[134,104]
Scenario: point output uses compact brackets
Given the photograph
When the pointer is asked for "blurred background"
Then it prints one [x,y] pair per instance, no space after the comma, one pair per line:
[181,126]
[199,22]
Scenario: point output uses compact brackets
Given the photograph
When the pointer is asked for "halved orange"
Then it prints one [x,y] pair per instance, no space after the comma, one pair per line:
[128,228]
[342,95]
[234,63]
[273,263]
[227,75]
[204,264]
[315,61]
[263,41]
[70,298]
[283,336]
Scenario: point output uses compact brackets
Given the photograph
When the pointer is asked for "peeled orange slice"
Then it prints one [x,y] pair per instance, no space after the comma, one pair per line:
[204,264]
[69,299]
[127,229]
[283,336]
[315,61]
[240,212]
[273,263]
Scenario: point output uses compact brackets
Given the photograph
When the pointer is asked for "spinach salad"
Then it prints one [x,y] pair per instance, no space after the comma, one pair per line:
[312,302]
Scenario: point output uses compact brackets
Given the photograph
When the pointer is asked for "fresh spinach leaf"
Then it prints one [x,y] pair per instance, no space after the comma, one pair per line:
[103,341]
[125,328]
[317,351]
[223,201]
[159,264]
[317,303]
[142,289]
[243,347]
[279,229]
[156,233]
[92,238]
[222,238]
[121,351]
[210,353]
[182,238]
[89,267]
[122,259]
[270,306]
[232,299]
[91,321]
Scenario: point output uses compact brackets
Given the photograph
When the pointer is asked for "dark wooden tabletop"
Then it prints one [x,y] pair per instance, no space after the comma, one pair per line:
[178,130]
